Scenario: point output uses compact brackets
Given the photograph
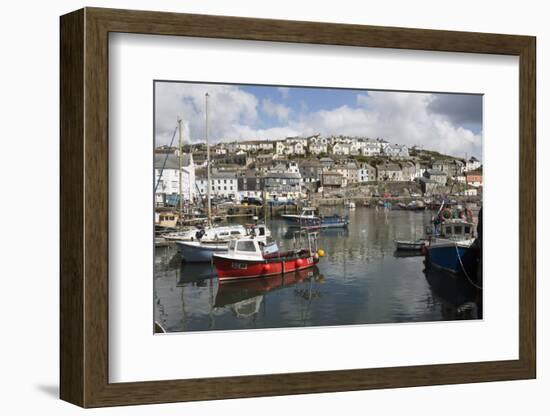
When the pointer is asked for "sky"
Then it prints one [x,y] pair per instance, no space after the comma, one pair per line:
[448,123]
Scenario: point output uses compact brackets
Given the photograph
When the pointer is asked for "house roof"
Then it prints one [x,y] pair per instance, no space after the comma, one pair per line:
[435,172]
[389,166]
[284,175]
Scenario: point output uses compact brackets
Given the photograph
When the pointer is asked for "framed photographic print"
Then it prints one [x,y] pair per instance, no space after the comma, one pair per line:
[250,190]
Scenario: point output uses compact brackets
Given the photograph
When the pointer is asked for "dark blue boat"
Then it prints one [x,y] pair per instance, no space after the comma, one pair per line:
[449,245]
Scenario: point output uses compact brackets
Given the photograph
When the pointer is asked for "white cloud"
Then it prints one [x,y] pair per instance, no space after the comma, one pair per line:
[228,107]
[279,111]
[404,118]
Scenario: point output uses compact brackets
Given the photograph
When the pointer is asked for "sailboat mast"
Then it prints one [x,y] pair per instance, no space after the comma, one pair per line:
[209,212]
[180,181]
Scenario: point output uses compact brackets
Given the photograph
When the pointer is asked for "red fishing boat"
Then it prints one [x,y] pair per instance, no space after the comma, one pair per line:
[248,258]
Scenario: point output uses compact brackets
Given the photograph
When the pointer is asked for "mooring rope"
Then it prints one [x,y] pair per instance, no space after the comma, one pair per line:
[463,268]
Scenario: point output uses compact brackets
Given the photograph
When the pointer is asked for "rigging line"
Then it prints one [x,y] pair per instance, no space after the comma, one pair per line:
[165,159]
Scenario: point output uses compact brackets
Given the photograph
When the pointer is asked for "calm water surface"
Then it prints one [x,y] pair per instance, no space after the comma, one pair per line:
[360,280]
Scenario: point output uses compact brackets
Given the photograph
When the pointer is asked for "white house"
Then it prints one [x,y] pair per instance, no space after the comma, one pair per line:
[299,148]
[472,164]
[341,149]
[222,184]
[167,178]
[317,148]
[396,150]
[366,173]
[370,149]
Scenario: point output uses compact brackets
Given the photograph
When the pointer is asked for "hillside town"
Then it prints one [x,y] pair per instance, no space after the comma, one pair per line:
[312,167]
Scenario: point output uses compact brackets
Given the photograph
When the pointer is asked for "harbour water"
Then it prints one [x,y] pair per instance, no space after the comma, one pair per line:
[361,280]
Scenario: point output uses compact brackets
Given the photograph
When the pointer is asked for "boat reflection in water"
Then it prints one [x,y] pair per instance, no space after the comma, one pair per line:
[196,273]
[244,297]
[459,298]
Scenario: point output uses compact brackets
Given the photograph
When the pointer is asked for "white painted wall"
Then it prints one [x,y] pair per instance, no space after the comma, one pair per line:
[29,307]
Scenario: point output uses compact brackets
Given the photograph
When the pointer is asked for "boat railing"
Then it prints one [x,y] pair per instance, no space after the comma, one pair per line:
[305,237]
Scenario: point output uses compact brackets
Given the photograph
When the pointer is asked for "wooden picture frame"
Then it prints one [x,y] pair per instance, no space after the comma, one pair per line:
[84,207]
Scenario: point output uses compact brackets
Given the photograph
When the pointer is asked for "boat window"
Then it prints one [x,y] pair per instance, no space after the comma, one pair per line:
[235,232]
[448,230]
[261,231]
[246,246]
[467,229]
[223,234]
[232,244]
[458,229]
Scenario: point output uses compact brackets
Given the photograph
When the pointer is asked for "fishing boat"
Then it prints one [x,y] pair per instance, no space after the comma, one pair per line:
[246,258]
[449,246]
[216,239]
[308,219]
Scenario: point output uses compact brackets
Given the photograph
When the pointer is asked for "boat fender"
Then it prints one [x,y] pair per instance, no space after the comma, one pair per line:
[266,268]
[299,262]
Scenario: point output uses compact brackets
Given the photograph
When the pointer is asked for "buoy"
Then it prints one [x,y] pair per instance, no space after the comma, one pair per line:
[321,252]
[299,262]
[446,214]
[266,267]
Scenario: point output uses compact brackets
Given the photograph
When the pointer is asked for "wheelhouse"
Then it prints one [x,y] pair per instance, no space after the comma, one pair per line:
[457,230]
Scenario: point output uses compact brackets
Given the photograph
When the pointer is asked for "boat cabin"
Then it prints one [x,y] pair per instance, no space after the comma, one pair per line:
[253,248]
[223,233]
[308,212]
[167,219]
[259,230]
[456,230]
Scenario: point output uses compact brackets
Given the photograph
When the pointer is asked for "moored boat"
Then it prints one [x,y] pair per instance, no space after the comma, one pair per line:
[247,258]
[410,245]
[199,251]
[216,239]
[182,235]
[448,247]
[308,219]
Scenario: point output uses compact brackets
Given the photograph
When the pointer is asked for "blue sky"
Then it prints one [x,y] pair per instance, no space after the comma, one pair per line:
[449,123]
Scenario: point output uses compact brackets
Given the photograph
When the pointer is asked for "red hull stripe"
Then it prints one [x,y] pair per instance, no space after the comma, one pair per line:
[237,269]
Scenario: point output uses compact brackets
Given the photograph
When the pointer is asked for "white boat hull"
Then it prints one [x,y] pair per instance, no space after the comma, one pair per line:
[197,252]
